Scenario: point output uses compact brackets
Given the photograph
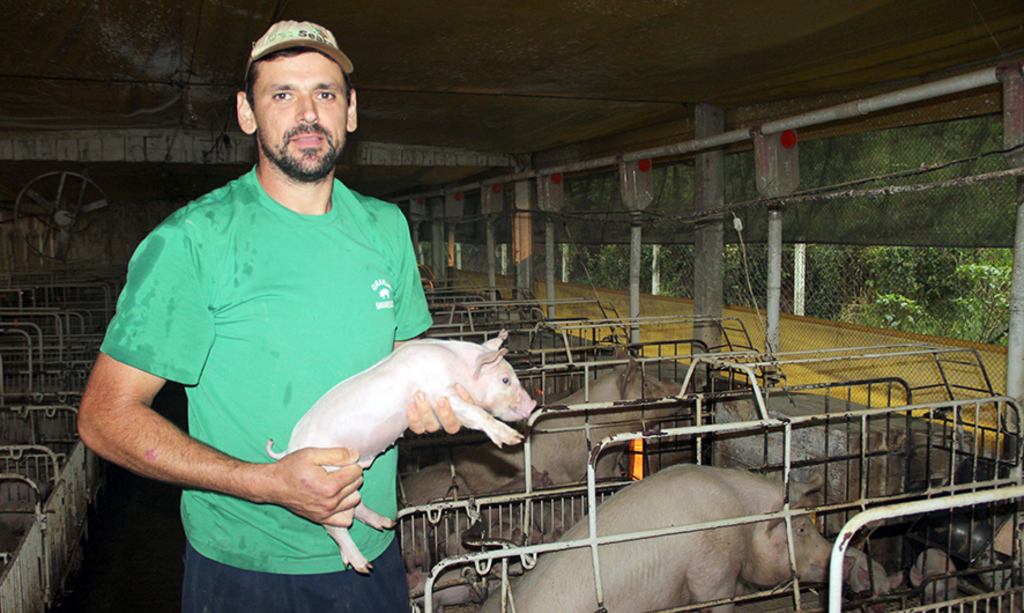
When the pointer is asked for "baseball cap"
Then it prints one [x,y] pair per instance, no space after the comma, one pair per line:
[285,34]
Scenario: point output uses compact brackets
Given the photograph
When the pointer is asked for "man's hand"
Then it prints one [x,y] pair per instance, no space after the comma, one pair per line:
[320,485]
[424,418]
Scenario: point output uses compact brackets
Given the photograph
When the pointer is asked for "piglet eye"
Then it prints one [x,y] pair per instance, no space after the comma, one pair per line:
[506,380]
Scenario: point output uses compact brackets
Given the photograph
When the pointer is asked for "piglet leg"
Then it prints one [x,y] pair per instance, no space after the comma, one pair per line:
[372,519]
[476,418]
[350,554]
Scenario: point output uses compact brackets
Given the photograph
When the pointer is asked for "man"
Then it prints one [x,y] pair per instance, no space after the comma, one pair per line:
[259,297]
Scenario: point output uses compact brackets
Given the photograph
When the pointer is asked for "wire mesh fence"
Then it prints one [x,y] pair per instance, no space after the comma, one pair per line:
[905,230]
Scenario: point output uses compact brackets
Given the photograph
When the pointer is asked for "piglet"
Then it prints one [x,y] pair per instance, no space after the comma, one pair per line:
[927,570]
[868,576]
[682,569]
[367,411]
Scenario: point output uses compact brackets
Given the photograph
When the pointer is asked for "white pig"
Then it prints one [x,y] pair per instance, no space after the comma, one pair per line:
[673,571]
[863,573]
[933,563]
[367,411]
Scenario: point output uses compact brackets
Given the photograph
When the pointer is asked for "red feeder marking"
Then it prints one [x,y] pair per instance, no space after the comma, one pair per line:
[644,165]
[458,196]
[788,139]
[496,188]
[556,178]
[420,201]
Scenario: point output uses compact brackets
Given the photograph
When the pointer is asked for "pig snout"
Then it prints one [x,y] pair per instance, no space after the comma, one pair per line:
[813,552]
[524,404]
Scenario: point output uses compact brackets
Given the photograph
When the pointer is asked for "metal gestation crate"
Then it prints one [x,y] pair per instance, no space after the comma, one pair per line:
[52,425]
[521,313]
[680,329]
[866,457]
[552,386]
[928,373]
[440,299]
[965,547]
[45,350]
[23,580]
[47,525]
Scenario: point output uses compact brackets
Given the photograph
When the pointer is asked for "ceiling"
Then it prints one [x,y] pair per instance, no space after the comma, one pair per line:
[457,90]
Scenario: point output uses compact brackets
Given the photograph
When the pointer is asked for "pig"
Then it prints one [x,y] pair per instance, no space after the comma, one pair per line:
[681,569]
[933,563]
[863,574]
[562,456]
[367,411]
[423,546]
[450,589]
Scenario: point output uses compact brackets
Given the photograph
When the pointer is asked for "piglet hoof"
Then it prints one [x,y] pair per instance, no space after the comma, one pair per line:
[361,566]
[501,434]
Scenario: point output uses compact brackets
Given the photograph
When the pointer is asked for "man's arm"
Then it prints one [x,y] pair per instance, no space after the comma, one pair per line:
[116,421]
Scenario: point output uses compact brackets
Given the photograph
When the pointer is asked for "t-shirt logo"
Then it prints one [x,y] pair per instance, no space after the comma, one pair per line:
[383,290]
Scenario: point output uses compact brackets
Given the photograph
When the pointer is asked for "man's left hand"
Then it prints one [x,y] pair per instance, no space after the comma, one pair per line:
[426,418]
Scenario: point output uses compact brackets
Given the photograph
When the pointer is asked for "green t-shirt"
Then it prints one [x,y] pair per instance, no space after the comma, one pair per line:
[259,311]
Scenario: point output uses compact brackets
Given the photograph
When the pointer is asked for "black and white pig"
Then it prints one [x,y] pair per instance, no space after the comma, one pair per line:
[367,411]
[672,571]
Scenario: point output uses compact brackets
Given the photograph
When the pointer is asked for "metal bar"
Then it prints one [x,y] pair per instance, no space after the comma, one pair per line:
[901,509]
[952,85]
[774,296]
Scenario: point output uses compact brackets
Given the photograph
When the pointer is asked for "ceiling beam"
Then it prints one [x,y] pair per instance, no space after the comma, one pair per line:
[197,147]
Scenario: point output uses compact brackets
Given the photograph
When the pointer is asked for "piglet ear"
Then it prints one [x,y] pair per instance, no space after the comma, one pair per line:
[916,576]
[489,361]
[895,581]
[495,343]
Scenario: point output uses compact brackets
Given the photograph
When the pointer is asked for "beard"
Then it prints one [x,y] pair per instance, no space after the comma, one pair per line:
[309,166]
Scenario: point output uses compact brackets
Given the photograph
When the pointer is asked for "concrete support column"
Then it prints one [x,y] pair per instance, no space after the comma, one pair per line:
[776,161]
[709,235]
[437,254]
[417,214]
[522,234]
[1013,136]
[550,199]
[491,201]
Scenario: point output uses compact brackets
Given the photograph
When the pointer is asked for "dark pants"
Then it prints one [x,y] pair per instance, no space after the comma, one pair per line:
[212,587]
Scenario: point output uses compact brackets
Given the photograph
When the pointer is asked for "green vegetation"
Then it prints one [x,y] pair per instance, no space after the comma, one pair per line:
[946,292]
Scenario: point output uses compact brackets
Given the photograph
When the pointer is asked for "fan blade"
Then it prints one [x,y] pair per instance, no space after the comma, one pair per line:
[46,204]
[93,206]
[63,243]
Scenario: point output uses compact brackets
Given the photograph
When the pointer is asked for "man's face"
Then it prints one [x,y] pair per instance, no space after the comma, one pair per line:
[300,115]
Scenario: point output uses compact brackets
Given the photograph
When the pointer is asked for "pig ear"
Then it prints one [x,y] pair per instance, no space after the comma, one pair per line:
[848,563]
[495,343]
[628,377]
[801,492]
[489,361]
[864,575]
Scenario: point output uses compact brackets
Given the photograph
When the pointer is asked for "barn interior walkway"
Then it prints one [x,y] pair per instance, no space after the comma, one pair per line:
[133,557]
